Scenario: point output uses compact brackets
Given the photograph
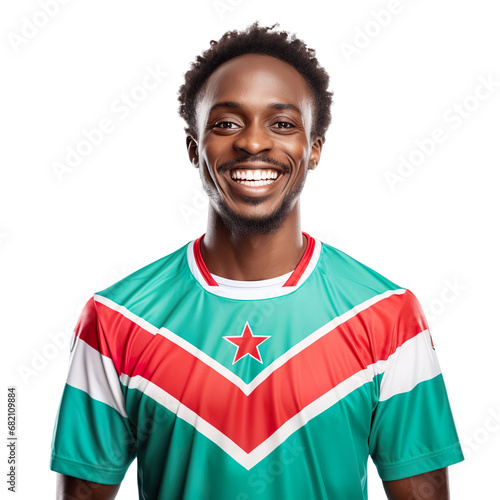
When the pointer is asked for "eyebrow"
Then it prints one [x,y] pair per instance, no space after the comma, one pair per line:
[276,105]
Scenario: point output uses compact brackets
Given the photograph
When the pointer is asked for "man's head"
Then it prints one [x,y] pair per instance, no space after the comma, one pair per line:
[258,40]
[257,108]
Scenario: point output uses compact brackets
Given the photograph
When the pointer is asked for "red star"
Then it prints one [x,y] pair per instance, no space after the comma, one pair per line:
[247,344]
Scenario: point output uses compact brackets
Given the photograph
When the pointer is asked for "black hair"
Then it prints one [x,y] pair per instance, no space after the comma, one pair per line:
[257,39]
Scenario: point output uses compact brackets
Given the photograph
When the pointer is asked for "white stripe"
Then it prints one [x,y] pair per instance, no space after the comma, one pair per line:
[170,403]
[310,339]
[205,358]
[413,351]
[128,314]
[413,362]
[249,293]
[249,460]
[266,372]
[314,409]
[184,344]
[96,374]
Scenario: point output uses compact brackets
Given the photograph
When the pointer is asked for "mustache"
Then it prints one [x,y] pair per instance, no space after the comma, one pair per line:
[249,159]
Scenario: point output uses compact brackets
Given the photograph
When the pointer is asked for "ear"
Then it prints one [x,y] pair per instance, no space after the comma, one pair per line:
[192,148]
[315,153]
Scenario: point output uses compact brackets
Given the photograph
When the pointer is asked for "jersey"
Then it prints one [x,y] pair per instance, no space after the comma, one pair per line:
[243,393]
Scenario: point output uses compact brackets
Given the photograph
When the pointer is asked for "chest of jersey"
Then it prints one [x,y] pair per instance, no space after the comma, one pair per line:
[247,374]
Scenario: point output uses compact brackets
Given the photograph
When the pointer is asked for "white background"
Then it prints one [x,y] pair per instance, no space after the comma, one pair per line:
[135,197]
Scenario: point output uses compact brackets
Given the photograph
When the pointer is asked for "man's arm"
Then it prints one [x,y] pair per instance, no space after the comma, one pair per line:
[429,486]
[78,489]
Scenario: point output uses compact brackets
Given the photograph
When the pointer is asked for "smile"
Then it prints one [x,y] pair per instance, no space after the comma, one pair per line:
[256,178]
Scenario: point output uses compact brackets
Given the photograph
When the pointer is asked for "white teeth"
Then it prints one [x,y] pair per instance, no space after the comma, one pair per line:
[255,183]
[255,176]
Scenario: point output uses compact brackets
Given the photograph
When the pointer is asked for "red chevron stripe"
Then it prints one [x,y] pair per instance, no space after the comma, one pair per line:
[357,343]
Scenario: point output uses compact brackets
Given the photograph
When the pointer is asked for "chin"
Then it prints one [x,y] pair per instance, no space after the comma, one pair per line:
[248,225]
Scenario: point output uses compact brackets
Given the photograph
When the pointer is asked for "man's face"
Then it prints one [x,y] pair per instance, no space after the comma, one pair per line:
[254,149]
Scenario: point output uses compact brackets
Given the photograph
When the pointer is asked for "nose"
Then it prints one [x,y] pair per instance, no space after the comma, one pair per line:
[253,139]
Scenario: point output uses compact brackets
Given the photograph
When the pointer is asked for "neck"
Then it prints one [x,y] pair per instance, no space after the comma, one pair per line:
[257,257]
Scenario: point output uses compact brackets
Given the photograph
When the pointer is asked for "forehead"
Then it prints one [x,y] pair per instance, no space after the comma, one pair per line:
[256,78]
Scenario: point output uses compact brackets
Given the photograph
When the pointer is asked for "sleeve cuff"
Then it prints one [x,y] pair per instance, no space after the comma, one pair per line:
[87,472]
[426,463]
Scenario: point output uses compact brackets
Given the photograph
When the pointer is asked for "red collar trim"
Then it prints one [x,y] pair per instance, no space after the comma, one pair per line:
[304,262]
[201,263]
[291,281]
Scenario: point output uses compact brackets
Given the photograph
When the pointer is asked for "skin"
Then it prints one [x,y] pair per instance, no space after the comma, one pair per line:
[254,233]
[429,486]
[72,488]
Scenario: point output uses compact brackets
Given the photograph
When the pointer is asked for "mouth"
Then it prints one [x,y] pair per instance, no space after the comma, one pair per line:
[254,177]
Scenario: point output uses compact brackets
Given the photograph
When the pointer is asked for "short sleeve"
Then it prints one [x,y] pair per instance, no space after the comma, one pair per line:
[412,428]
[93,438]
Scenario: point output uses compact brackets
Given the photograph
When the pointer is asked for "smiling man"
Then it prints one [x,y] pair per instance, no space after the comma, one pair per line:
[255,362]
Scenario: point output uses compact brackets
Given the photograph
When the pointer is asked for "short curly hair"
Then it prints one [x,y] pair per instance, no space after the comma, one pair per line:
[258,40]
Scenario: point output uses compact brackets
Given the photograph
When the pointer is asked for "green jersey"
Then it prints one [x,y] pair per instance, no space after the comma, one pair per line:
[253,390]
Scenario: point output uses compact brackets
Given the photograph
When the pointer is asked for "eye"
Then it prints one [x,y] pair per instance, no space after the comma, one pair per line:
[226,125]
[283,124]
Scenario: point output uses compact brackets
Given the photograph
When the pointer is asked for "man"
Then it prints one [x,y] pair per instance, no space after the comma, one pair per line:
[256,361]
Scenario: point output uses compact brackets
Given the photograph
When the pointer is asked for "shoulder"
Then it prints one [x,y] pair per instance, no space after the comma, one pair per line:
[393,311]
[363,285]
[349,273]
[145,280]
